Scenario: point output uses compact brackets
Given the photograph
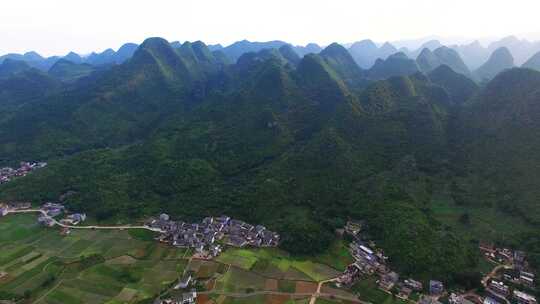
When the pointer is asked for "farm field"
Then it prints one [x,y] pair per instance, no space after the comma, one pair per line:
[45,267]
[114,266]
[368,291]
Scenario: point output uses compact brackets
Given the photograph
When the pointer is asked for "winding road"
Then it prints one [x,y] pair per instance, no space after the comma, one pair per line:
[84,227]
[493,273]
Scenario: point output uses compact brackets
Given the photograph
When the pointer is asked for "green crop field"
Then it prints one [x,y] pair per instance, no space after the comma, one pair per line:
[44,267]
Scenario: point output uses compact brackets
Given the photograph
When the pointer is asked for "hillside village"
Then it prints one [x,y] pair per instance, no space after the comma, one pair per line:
[7,174]
[511,269]
[208,236]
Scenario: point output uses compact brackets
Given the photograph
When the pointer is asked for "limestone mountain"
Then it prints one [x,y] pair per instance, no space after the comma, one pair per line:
[431,45]
[473,54]
[452,59]
[310,48]
[533,62]
[341,61]
[235,50]
[521,49]
[500,60]
[288,53]
[9,67]
[68,71]
[125,52]
[459,87]
[365,53]
[24,87]
[33,59]
[427,61]
[386,50]
[395,65]
[499,139]
[73,57]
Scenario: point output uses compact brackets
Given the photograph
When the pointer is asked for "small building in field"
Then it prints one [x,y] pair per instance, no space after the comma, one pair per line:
[77,217]
[414,285]
[184,281]
[189,298]
[436,287]
[46,221]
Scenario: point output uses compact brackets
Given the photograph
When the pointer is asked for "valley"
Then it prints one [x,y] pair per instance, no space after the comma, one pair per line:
[77,263]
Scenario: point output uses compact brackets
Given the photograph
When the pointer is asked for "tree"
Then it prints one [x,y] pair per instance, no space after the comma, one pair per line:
[465,219]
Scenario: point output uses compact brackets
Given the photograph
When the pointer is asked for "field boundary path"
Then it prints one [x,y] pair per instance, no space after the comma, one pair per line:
[279,293]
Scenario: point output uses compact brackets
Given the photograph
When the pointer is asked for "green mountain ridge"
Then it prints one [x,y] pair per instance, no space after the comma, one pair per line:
[10,67]
[533,62]
[500,60]
[429,60]
[499,139]
[395,65]
[68,71]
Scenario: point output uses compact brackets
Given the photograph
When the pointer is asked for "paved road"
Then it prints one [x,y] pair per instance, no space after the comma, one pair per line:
[318,292]
[494,273]
[84,227]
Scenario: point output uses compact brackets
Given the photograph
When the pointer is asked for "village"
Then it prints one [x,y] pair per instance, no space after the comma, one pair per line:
[7,174]
[208,236]
[511,269]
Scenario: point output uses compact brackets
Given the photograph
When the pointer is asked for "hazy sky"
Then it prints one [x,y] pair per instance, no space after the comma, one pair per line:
[58,26]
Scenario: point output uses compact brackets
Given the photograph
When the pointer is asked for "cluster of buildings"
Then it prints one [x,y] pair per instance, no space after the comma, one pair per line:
[369,261]
[507,256]
[204,236]
[185,298]
[7,173]
[504,287]
[501,293]
[50,210]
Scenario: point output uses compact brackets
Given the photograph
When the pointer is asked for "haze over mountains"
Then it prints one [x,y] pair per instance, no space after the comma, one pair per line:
[485,62]
[296,138]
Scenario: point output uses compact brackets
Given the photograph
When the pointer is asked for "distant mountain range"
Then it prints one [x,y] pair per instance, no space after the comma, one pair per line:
[106,57]
[365,53]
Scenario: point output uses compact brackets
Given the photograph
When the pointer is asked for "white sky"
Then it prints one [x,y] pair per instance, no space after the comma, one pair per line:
[54,27]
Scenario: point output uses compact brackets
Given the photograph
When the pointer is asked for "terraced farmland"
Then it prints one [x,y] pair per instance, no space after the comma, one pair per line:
[40,266]
[45,267]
